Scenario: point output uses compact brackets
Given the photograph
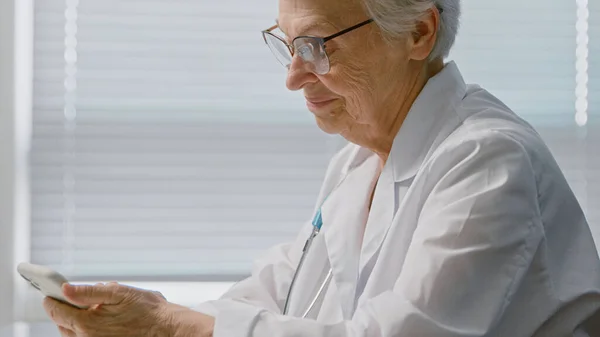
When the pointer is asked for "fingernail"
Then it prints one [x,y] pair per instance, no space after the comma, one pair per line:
[66,287]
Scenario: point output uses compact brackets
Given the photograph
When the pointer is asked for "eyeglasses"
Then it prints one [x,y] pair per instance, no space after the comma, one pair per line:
[311,49]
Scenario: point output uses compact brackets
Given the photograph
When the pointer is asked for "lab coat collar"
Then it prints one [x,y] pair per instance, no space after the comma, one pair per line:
[426,124]
[426,118]
[357,156]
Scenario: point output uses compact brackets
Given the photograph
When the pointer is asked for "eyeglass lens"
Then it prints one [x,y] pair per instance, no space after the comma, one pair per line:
[309,49]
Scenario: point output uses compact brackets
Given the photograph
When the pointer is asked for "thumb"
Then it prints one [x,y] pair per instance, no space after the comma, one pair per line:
[91,295]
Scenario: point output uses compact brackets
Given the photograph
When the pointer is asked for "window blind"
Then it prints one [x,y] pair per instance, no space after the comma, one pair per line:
[526,60]
[165,145]
[593,97]
[593,59]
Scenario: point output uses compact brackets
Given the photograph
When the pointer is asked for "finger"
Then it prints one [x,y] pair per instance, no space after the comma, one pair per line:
[96,306]
[64,332]
[62,314]
[91,295]
[99,284]
[158,293]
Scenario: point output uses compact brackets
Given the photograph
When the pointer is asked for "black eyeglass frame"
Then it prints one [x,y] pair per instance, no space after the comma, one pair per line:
[321,40]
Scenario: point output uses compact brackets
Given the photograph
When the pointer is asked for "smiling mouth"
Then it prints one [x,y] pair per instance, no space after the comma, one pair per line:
[318,104]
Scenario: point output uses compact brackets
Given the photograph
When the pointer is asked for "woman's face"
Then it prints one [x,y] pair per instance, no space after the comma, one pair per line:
[366,77]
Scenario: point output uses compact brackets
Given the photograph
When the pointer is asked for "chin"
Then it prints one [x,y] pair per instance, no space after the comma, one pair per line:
[329,126]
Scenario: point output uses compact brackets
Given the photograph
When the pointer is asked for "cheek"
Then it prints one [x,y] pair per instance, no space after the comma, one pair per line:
[353,85]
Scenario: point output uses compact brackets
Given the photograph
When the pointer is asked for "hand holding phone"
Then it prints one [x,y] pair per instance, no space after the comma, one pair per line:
[46,280]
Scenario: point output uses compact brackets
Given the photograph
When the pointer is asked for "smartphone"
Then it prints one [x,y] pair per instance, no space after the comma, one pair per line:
[46,280]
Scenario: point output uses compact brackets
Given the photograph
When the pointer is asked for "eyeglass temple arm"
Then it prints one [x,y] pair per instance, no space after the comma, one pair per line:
[268,30]
[347,30]
[440,9]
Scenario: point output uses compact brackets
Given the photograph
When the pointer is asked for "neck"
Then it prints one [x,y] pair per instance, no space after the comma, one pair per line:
[381,134]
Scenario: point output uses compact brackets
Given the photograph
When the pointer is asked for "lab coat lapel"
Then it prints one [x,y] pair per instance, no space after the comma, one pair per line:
[429,121]
[344,216]
[380,216]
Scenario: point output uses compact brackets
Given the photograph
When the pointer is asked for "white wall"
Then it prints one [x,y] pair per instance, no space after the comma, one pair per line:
[16,53]
[7,155]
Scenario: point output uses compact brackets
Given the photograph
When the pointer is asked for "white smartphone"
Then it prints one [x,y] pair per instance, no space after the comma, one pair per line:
[46,280]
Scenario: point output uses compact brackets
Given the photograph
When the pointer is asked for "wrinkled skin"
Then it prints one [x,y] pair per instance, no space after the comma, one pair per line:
[372,82]
[116,311]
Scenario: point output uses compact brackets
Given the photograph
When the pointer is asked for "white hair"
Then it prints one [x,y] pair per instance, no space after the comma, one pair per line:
[396,17]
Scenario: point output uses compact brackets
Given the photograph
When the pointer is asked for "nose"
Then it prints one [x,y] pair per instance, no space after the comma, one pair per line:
[299,74]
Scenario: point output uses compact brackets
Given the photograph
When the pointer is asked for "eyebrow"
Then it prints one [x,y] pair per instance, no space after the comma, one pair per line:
[305,29]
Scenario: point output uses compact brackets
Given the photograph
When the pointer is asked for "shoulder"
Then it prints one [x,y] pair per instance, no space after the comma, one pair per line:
[489,126]
[490,138]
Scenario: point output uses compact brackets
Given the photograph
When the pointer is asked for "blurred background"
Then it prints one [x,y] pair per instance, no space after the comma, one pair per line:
[153,142]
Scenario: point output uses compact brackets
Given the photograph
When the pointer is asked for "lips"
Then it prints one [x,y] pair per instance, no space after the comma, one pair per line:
[318,102]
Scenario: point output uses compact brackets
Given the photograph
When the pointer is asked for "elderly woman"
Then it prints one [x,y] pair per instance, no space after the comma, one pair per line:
[446,215]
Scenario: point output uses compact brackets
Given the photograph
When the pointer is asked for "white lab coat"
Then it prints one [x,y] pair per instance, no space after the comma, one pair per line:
[473,231]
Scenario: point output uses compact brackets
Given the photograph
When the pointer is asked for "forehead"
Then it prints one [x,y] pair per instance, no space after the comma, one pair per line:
[298,17]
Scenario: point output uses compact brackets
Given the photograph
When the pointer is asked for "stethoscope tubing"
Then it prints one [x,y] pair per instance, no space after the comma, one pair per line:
[305,251]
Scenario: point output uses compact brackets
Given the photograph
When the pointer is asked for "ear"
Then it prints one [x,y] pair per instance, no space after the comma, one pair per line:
[425,34]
